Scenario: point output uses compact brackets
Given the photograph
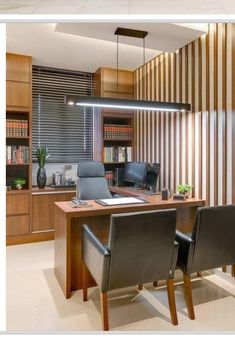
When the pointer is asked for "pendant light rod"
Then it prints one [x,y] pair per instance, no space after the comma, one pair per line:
[117,61]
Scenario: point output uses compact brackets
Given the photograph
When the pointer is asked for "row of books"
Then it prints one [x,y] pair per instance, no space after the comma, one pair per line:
[117,154]
[17,154]
[109,177]
[117,131]
[17,127]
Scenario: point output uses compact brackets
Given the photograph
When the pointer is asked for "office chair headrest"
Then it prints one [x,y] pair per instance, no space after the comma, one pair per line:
[90,169]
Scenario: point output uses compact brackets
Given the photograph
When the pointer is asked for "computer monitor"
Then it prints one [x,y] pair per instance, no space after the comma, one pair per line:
[135,173]
[152,176]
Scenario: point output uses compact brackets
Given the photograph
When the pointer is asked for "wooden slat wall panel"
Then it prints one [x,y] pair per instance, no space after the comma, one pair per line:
[196,147]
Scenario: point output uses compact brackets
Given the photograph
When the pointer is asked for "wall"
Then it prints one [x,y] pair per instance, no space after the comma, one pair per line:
[196,147]
[52,168]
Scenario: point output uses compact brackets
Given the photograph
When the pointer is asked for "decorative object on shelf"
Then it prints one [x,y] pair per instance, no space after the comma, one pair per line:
[42,154]
[19,183]
[130,104]
[184,189]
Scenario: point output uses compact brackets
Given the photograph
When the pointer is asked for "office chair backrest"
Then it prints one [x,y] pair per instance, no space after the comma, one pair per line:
[214,237]
[141,246]
[91,183]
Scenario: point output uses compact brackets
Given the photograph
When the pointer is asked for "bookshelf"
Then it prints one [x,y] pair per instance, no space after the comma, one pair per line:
[115,143]
[118,141]
[18,144]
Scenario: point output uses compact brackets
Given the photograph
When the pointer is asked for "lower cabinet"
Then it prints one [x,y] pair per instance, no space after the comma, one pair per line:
[43,206]
[17,225]
[18,213]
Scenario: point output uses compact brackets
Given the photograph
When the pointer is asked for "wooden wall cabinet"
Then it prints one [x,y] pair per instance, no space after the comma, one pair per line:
[18,111]
[109,83]
[18,95]
[18,68]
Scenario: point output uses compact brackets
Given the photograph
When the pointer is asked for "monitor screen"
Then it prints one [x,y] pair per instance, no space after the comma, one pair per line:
[152,175]
[135,172]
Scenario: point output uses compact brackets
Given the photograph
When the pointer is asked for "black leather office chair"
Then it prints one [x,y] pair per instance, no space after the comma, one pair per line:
[91,183]
[211,245]
[141,248]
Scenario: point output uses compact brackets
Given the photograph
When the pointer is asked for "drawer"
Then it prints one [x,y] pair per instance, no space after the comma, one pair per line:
[17,225]
[17,204]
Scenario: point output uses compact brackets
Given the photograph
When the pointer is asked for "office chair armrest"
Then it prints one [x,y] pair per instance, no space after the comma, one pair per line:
[185,253]
[174,259]
[96,257]
[90,237]
[182,238]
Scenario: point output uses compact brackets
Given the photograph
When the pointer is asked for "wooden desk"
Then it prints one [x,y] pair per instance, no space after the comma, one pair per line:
[68,223]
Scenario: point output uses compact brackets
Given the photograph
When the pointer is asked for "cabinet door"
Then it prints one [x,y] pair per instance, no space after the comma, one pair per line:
[18,94]
[17,225]
[43,210]
[125,81]
[18,68]
[17,204]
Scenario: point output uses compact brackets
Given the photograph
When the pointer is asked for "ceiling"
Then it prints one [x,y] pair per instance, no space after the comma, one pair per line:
[118,6]
[87,46]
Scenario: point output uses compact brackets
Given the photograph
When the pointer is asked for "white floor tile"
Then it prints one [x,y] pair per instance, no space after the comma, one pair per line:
[35,301]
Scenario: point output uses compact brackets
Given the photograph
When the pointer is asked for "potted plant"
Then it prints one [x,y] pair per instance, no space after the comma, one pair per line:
[184,189]
[41,154]
[19,182]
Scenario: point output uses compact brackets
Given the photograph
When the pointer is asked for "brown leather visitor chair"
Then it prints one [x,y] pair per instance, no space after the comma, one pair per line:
[211,245]
[141,249]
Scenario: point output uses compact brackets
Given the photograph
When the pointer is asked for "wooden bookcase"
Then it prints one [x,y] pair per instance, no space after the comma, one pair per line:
[105,85]
[18,138]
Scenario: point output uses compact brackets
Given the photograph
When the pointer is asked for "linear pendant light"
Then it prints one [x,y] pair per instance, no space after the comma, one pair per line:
[130,104]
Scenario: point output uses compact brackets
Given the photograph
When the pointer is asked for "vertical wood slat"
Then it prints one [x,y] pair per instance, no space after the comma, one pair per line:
[196,147]
[233,115]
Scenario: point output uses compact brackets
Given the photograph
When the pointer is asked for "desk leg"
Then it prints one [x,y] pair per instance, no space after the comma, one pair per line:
[62,252]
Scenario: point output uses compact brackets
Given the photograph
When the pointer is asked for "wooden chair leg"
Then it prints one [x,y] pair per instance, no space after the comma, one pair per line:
[233,270]
[84,280]
[188,296]
[171,300]
[140,287]
[154,283]
[224,269]
[104,311]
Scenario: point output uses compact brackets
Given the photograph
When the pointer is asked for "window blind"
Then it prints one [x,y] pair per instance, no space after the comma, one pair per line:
[66,131]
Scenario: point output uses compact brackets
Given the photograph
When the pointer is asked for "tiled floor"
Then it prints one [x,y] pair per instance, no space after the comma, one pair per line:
[36,303]
[117,6]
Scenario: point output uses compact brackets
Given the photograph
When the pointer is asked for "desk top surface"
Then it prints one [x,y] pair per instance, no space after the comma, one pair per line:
[154,202]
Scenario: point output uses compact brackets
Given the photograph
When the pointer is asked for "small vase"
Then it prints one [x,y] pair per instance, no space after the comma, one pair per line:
[18,186]
[41,178]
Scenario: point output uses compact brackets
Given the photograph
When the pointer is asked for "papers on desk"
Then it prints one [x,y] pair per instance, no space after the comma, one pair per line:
[121,200]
